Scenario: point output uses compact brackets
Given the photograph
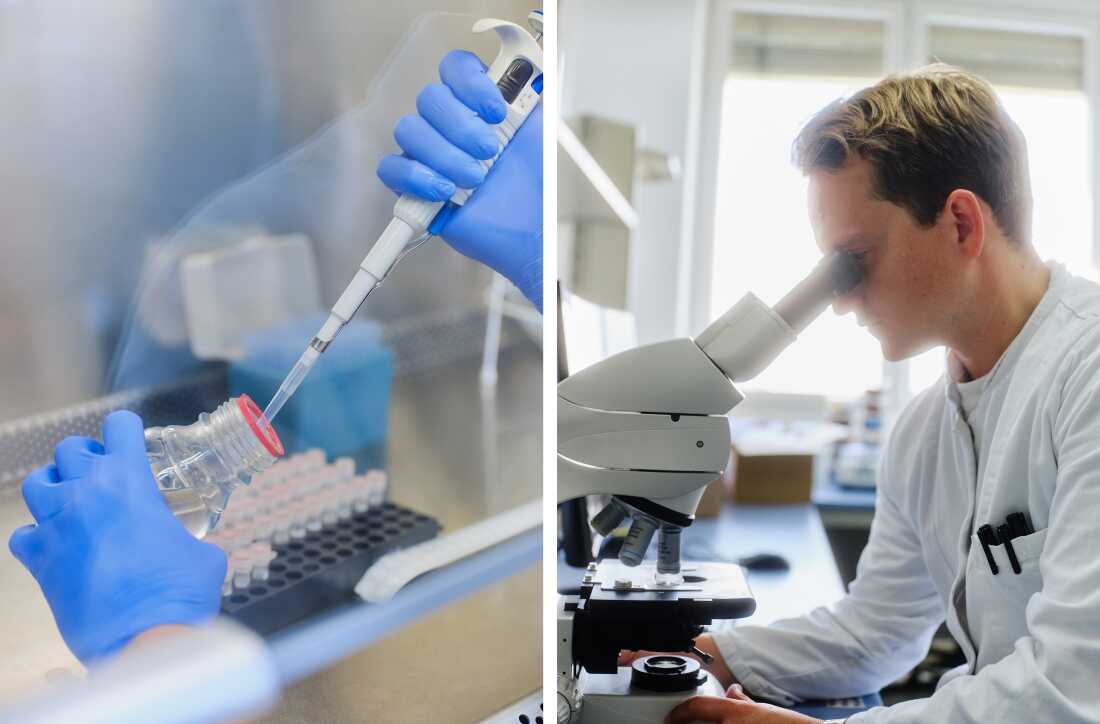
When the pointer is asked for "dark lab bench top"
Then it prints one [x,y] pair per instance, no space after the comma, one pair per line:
[796,533]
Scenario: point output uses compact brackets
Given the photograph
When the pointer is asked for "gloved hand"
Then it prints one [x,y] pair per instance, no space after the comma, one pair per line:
[107,552]
[501,224]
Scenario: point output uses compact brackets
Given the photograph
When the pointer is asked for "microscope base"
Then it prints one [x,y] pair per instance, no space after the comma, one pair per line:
[610,699]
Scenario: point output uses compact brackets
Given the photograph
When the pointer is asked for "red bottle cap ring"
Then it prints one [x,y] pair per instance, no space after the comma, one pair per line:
[259,424]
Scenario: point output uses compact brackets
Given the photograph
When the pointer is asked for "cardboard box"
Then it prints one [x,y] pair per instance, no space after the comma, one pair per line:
[771,477]
[772,461]
[710,506]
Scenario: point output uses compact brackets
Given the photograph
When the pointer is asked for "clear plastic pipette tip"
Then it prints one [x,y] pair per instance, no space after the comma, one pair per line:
[332,327]
[294,378]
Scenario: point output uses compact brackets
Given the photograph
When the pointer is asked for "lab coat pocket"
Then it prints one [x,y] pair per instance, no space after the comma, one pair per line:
[996,604]
[1027,547]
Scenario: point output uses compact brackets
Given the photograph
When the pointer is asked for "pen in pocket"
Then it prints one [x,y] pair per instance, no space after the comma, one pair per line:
[1005,533]
[988,538]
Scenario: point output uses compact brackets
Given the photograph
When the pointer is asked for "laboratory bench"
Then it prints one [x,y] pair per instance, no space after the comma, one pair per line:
[457,452]
[794,532]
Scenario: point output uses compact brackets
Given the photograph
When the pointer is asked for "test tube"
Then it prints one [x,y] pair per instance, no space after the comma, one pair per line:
[280,534]
[328,508]
[313,458]
[313,514]
[344,501]
[240,561]
[297,513]
[262,555]
[263,527]
[343,467]
[360,493]
[377,487]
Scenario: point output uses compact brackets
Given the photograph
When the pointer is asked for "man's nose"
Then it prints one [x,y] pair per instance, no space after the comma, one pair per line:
[844,303]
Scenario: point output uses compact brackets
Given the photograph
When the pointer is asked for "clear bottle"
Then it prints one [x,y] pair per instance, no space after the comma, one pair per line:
[198,466]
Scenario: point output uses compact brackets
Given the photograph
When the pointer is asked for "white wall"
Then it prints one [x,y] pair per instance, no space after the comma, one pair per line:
[637,62]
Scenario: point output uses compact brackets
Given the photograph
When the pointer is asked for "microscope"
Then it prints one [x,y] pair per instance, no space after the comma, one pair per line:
[648,427]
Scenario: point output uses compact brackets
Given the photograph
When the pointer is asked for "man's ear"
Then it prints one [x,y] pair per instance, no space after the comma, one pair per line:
[964,211]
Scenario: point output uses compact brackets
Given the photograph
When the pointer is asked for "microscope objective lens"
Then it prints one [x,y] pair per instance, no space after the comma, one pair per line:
[668,549]
[637,540]
[608,519]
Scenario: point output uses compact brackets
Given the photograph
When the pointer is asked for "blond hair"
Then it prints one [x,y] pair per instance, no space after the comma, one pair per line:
[927,133]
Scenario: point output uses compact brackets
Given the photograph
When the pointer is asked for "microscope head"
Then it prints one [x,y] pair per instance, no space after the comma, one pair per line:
[648,425]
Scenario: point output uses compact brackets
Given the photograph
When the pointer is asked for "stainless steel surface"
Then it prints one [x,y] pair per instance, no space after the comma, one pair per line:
[121,116]
[418,344]
[28,443]
[455,453]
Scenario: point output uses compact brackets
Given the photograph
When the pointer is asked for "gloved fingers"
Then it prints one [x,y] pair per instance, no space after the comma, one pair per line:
[26,545]
[423,143]
[215,560]
[124,436]
[44,493]
[76,456]
[405,176]
[464,74]
[456,122]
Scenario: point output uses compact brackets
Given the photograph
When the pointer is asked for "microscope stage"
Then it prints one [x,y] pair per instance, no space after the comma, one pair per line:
[623,608]
[714,589]
[710,590]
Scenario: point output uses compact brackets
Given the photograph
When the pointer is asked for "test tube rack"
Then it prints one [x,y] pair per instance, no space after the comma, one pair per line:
[303,535]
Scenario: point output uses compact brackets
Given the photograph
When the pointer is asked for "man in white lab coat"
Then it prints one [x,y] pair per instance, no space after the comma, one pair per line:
[925,176]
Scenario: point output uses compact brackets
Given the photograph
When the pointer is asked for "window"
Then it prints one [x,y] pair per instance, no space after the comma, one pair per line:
[1040,80]
[784,67]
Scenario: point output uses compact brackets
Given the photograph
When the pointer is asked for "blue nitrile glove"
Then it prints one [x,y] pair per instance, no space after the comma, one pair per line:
[107,552]
[501,224]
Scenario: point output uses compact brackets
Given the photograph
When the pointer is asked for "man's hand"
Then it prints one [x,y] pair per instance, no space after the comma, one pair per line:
[107,552]
[737,708]
[443,144]
[704,643]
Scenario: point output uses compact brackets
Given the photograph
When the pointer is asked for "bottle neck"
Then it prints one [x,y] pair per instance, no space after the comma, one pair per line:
[236,442]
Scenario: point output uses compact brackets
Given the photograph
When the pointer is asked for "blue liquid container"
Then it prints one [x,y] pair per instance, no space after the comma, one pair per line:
[342,406]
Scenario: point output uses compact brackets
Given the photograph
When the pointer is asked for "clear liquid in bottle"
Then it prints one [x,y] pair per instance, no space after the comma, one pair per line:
[198,466]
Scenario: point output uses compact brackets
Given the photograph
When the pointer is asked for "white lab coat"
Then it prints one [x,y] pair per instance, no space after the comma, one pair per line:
[1032,641]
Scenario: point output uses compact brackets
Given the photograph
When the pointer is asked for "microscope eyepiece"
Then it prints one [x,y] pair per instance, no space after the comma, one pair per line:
[846,271]
[836,274]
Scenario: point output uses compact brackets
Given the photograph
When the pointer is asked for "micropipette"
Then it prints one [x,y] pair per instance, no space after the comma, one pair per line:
[517,71]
